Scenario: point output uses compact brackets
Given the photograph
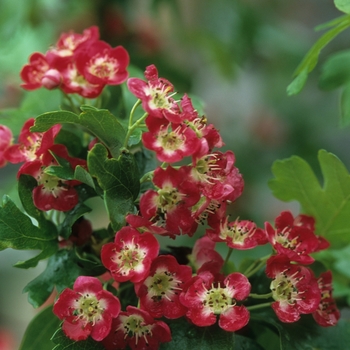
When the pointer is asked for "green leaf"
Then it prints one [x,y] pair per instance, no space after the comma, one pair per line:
[328,204]
[40,331]
[99,122]
[119,178]
[64,343]
[342,5]
[61,272]
[187,336]
[345,106]
[71,217]
[105,126]
[18,232]
[306,334]
[310,60]
[335,71]
[82,175]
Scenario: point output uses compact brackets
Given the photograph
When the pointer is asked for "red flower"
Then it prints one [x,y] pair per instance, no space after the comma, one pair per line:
[137,330]
[159,292]
[156,95]
[86,310]
[207,298]
[204,252]
[31,145]
[130,256]
[217,176]
[101,64]
[5,143]
[292,238]
[327,313]
[171,142]
[33,72]
[294,288]
[172,201]
[53,192]
[238,234]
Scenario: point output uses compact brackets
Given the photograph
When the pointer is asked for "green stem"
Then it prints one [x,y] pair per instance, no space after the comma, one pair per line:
[74,108]
[261,296]
[259,306]
[256,266]
[228,255]
[147,177]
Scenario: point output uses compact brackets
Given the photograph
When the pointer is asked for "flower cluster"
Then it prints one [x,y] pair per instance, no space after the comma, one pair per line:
[194,184]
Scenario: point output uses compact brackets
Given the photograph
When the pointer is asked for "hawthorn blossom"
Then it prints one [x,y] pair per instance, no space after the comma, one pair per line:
[100,64]
[171,201]
[136,329]
[208,299]
[159,292]
[31,145]
[130,256]
[156,95]
[53,192]
[171,142]
[238,234]
[5,143]
[292,238]
[327,313]
[86,310]
[294,288]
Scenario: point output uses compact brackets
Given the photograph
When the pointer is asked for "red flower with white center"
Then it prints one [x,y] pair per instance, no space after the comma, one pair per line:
[156,95]
[5,143]
[218,177]
[74,82]
[31,145]
[207,298]
[171,142]
[86,310]
[53,192]
[294,289]
[130,256]
[206,132]
[137,330]
[33,72]
[294,241]
[68,42]
[101,64]
[159,292]
[238,234]
[172,201]
[327,313]
[203,252]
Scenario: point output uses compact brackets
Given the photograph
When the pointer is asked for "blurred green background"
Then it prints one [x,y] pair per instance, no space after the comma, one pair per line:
[237,56]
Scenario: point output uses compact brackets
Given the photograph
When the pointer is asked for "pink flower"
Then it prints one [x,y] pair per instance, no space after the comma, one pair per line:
[327,313]
[238,234]
[5,143]
[31,145]
[292,238]
[172,201]
[100,64]
[86,310]
[294,289]
[171,142]
[53,192]
[130,256]
[156,95]
[207,299]
[137,330]
[33,72]
[159,292]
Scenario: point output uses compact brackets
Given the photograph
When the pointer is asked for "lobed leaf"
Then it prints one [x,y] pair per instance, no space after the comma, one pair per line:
[18,232]
[328,204]
[119,178]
